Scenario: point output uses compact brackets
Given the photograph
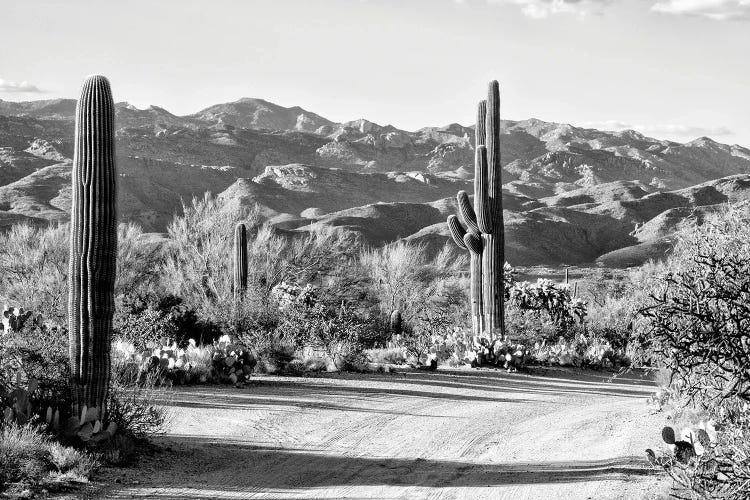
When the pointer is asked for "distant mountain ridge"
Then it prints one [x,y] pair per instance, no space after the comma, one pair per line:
[572,195]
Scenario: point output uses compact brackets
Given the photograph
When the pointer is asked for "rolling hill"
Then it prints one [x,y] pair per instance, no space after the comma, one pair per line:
[572,195]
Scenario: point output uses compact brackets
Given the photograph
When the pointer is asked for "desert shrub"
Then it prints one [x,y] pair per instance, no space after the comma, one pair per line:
[386,355]
[34,266]
[286,295]
[402,277]
[529,326]
[711,463]
[198,270]
[699,330]
[699,317]
[30,461]
[145,319]
[198,267]
[604,284]
[166,363]
[425,290]
[145,328]
[136,404]
[274,353]
[338,333]
[580,350]
[423,332]
[552,298]
[39,352]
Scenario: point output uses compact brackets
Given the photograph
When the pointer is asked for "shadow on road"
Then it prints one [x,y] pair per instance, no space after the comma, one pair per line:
[277,470]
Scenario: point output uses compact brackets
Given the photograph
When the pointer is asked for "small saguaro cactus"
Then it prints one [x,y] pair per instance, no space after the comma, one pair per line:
[240,260]
[93,246]
[396,322]
[482,231]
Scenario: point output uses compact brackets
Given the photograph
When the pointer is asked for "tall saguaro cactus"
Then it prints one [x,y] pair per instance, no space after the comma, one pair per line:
[239,260]
[93,246]
[482,231]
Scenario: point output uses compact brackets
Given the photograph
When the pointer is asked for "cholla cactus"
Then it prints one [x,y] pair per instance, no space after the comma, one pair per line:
[555,298]
[93,247]
[287,295]
[482,232]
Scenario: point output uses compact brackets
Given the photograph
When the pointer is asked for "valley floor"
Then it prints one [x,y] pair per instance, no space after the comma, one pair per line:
[442,435]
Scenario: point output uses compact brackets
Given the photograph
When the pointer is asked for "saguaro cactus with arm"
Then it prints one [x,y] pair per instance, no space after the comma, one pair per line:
[93,246]
[240,260]
[483,234]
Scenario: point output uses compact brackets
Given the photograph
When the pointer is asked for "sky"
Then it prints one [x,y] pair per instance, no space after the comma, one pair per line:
[671,69]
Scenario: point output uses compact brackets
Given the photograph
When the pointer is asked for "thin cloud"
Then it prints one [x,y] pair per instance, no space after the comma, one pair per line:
[720,10]
[13,87]
[658,130]
[540,9]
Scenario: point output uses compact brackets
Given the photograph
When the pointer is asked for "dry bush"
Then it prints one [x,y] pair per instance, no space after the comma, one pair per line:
[699,315]
[137,406]
[31,461]
[199,268]
[34,266]
[403,278]
[198,265]
[698,323]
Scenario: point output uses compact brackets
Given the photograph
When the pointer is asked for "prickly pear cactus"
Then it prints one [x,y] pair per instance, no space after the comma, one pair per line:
[20,411]
[87,428]
[14,318]
[93,246]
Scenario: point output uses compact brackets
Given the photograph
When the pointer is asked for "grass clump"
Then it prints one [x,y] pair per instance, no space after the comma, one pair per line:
[30,461]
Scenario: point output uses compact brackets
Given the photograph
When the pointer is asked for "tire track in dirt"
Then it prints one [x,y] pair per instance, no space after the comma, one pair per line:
[437,436]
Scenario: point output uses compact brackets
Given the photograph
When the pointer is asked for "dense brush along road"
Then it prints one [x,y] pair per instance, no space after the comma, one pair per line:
[416,435]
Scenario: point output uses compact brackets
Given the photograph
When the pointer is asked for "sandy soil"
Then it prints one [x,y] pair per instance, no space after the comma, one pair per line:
[417,435]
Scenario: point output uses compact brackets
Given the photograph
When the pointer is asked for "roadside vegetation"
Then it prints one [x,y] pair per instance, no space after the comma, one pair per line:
[321,301]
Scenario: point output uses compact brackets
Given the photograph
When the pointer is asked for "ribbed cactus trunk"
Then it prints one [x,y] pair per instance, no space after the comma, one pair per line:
[396,322]
[240,261]
[93,246]
[482,232]
[491,223]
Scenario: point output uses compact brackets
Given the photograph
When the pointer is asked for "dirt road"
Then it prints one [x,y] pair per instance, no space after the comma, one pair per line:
[418,435]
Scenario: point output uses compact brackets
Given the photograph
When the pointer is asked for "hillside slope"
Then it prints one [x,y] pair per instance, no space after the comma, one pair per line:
[572,195]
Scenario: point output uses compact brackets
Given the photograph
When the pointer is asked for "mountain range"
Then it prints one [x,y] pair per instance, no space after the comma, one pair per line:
[573,196]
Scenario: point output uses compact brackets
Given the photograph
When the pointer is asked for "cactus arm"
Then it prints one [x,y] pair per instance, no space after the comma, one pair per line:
[481,195]
[457,231]
[468,217]
[474,243]
[494,172]
[480,135]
